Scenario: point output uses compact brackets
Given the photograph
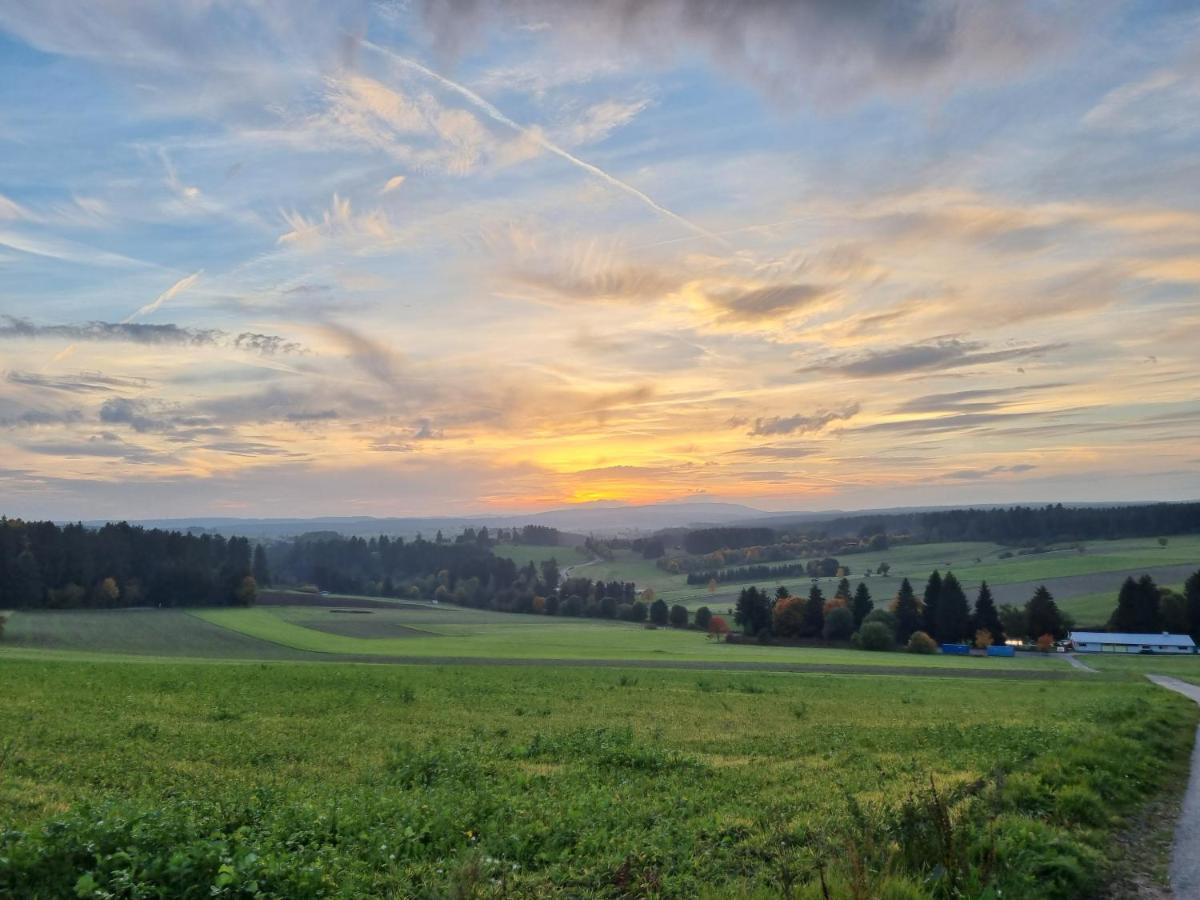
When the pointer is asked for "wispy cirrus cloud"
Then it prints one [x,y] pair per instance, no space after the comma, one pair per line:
[939,354]
[12,328]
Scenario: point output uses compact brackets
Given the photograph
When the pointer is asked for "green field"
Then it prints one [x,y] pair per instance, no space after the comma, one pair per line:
[302,780]
[1098,571]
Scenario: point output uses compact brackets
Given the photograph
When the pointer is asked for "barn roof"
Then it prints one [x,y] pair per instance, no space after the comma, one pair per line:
[1114,637]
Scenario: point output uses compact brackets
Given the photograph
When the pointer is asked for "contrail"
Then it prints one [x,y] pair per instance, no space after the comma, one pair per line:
[177,288]
[480,103]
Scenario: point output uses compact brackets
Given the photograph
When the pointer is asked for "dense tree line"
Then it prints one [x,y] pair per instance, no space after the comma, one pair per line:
[1145,608]
[1021,524]
[708,540]
[827,567]
[49,566]
[941,616]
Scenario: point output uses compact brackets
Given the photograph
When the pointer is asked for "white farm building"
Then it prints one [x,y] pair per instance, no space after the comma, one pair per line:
[1115,642]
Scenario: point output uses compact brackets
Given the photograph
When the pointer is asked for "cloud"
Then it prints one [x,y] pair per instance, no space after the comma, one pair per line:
[768,302]
[83,383]
[800,423]
[774,452]
[373,357]
[13,328]
[140,415]
[170,293]
[393,183]
[978,400]
[791,49]
[536,137]
[37,418]
[602,119]
[939,354]
[979,474]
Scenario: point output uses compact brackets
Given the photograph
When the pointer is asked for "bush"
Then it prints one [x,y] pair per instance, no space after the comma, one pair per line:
[881,615]
[637,611]
[659,612]
[839,624]
[703,617]
[679,616]
[876,636]
[922,643]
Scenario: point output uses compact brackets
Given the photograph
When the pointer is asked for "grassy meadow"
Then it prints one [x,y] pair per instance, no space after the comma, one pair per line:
[1084,583]
[445,632]
[294,780]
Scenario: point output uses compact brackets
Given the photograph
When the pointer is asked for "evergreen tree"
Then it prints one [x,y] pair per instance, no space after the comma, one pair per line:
[753,611]
[262,575]
[1043,616]
[25,587]
[843,591]
[1191,592]
[933,590]
[908,612]
[813,623]
[1137,607]
[703,618]
[862,604]
[986,615]
[953,614]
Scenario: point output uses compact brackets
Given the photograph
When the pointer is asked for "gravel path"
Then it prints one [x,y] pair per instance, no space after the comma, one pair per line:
[1081,665]
[1185,854]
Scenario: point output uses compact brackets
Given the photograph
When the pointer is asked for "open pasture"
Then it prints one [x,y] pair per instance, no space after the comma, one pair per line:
[1094,575]
[433,781]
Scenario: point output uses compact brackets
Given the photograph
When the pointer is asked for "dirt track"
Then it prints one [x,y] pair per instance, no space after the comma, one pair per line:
[713,666]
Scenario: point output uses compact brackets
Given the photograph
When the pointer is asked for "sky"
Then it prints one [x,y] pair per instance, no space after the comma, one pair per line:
[450,257]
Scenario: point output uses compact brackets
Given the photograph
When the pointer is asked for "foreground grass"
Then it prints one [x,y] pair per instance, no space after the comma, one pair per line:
[293,780]
[450,632]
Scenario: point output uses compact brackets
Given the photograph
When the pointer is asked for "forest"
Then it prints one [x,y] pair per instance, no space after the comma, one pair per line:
[48,566]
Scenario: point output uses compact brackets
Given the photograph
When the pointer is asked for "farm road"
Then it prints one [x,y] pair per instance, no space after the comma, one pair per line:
[702,665]
[1185,852]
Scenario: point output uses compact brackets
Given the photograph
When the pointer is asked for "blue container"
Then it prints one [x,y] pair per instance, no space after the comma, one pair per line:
[956,649]
[1002,650]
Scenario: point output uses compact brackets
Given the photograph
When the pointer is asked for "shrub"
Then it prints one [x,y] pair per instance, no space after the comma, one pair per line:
[876,636]
[659,612]
[703,618]
[983,638]
[3,622]
[637,611]
[1045,643]
[883,616]
[839,624]
[922,643]
[625,612]
[679,616]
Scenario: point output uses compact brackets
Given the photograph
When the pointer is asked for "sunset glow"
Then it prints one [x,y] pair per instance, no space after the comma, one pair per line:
[393,259]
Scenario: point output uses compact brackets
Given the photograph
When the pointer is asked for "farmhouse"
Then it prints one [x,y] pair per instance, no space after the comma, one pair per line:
[1112,642]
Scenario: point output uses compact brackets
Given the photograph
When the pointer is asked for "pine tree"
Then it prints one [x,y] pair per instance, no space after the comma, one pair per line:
[908,612]
[953,614]
[986,615]
[933,590]
[862,604]
[1191,591]
[1137,607]
[1041,612]
[814,614]
[262,575]
[843,590]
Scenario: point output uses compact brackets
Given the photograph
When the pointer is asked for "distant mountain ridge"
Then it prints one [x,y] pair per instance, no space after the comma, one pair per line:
[601,519]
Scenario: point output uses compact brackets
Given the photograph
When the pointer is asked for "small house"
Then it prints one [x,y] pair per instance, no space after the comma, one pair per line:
[1118,642]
